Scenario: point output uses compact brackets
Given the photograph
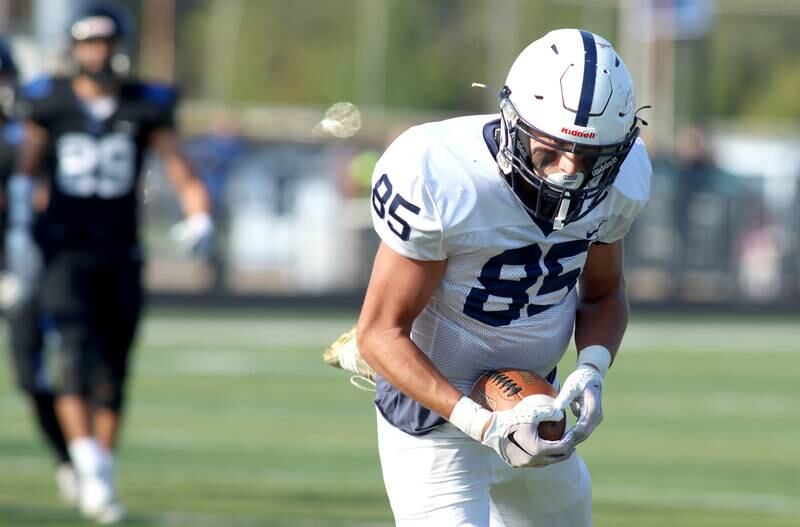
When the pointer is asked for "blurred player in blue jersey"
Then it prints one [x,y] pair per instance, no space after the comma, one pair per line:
[88,133]
[19,302]
[501,237]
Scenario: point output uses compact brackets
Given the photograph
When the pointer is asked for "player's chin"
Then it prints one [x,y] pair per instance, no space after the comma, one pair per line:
[92,67]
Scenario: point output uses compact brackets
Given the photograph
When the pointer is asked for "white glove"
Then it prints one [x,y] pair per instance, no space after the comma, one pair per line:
[23,259]
[583,389]
[195,234]
[589,410]
[513,433]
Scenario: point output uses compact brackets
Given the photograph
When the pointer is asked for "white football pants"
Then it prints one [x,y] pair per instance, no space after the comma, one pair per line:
[445,478]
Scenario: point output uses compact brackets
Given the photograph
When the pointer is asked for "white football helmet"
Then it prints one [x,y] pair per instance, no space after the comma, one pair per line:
[570,91]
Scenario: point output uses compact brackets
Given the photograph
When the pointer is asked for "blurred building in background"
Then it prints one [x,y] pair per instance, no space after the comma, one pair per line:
[290,185]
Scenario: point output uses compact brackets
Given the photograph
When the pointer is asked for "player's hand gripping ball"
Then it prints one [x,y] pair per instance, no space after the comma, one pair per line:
[503,389]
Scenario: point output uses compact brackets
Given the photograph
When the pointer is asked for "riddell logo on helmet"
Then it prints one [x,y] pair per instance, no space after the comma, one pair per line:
[578,133]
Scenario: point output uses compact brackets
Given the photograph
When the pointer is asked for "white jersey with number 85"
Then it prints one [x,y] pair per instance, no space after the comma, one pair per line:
[508,295]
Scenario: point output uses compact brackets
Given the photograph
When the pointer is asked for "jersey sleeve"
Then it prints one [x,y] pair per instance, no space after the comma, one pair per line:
[629,195]
[404,212]
[161,101]
[37,103]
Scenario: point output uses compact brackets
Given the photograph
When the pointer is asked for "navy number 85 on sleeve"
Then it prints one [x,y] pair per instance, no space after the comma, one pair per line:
[381,194]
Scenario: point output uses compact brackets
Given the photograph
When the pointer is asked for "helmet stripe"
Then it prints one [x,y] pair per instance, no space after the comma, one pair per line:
[589,76]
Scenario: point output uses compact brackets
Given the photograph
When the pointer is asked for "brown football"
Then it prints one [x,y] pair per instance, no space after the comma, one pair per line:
[503,389]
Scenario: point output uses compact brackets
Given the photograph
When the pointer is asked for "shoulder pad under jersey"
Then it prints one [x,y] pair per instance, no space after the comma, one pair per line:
[38,88]
[629,194]
[13,133]
[160,94]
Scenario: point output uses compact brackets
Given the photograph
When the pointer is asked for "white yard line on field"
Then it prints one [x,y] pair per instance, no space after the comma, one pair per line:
[707,500]
[205,332]
[745,502]
[734,336]
[727,337]
[172,518]
[227,363]
[669,499]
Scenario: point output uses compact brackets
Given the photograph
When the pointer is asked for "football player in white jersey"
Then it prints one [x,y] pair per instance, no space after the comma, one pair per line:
[488,223]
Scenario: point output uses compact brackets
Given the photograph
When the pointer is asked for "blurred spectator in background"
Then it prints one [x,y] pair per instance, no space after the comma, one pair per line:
[214,154]
[18,298]
[87,133]
[703,200]
[759,251]
[692,227]
[358,175]
[793,255]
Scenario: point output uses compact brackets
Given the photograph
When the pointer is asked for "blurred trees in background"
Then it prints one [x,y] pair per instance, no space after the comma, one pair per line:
[754,69]
[298,52]
[424,54]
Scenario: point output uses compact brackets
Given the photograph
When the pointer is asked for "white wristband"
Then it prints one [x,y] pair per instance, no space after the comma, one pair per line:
[470,417]
[596,356]
[20,199]
[199,221]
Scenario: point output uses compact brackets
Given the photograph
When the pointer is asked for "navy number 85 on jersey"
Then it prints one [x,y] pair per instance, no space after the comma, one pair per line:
[517,290]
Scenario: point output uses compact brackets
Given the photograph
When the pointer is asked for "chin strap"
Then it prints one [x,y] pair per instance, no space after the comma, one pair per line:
[105,77]
[570,181]
[558,221]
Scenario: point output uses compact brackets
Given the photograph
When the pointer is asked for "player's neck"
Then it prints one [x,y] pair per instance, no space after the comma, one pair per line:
[87,88]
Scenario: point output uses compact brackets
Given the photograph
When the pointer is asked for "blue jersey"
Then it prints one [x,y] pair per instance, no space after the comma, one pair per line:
[93,164]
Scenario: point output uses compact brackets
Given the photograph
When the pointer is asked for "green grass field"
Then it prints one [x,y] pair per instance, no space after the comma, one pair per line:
[234,421]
